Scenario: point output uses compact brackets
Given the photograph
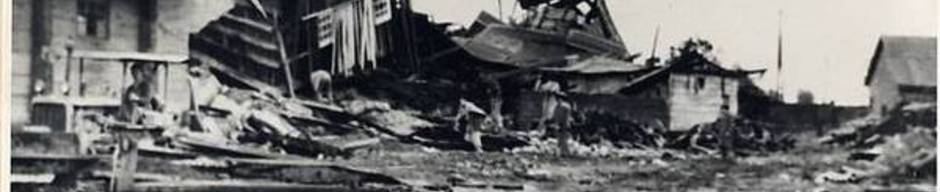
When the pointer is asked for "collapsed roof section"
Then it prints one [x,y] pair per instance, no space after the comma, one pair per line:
[552,30]
[274,45]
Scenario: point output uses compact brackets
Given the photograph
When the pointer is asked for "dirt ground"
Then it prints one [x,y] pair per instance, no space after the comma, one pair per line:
[648,170]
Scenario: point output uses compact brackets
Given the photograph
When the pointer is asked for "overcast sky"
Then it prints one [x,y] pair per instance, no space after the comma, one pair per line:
[827,43]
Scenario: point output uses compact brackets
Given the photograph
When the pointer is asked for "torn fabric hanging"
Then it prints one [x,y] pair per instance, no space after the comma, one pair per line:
[354,38]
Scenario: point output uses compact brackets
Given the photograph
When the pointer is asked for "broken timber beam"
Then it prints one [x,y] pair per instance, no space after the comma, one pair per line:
[240,186]
[193,143]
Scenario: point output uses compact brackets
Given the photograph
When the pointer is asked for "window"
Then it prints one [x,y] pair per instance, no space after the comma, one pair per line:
[699,84]
[93,18]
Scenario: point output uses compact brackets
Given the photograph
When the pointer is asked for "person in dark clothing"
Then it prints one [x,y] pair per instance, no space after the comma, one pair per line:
[141,95]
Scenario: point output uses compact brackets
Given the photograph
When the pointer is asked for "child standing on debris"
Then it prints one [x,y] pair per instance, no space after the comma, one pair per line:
[476,123]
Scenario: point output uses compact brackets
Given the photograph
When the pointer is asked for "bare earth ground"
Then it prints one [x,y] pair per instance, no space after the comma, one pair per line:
[793,170]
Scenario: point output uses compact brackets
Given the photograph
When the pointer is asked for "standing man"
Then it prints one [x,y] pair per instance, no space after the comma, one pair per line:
[476,122]
[727,133]
[556,113]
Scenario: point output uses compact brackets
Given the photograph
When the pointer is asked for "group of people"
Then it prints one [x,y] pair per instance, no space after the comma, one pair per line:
[556,117]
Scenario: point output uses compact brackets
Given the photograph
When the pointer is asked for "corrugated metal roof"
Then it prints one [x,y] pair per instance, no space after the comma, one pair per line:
[912,60]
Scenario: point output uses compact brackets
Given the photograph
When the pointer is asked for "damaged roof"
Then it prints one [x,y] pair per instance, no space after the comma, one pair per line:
[600,65]
[515,46]
[911,60]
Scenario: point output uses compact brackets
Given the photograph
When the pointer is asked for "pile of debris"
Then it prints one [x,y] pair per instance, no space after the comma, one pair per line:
[596,127]
[870,131]
[735,136]
[603,135]
[242,139]
[899,147]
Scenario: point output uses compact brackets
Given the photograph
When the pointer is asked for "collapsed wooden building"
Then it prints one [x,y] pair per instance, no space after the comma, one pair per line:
[276,44]
[574,42]
[262,45]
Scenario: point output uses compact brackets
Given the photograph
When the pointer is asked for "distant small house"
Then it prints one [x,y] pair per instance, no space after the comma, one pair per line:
[693,94]
[595,68]
[676,96]
[903,70]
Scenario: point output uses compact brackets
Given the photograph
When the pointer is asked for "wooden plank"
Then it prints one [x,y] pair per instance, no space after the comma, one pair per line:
[218,46]
[248,22]
[130,56]
[319,105]
[38,178]
[137,176]
[234,149]
[124,164]
[234,74]
[164,151]
[309,172]
[359,143]
[257,42]
[238,186]
[54,157]
[285,61]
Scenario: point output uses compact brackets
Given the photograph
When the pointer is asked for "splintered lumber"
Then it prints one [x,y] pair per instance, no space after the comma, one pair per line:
[139,176]
[322,122]
[230,149]
[347,116]
[294,141]
[319,106]
[275,122]
[124,164]
[149,148]
[308,171]
[239,186]
[40,178]
[354,144]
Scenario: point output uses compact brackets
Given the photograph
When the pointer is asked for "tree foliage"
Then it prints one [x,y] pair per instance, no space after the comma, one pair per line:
[693,51]
[804,97]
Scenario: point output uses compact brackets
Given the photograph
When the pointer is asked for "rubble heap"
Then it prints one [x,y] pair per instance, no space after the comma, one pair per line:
[603,135]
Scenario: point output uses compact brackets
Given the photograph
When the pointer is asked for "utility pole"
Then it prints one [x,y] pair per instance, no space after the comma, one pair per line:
[779,52]
[499,3]
[653,59]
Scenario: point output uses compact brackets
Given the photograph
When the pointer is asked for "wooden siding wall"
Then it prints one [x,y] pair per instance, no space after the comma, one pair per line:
[691,103]
[46,26]
[24,36]
[528,107]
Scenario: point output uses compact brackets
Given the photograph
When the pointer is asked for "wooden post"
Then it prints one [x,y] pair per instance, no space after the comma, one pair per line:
[285,62]
[166,80]
[68,76]
[123,76]
[81,77]
[125,163]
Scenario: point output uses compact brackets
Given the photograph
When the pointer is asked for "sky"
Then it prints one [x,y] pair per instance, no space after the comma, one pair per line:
[827,44]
